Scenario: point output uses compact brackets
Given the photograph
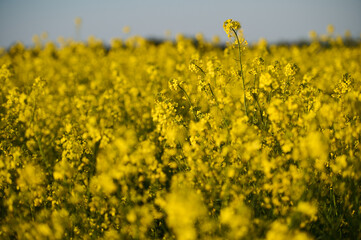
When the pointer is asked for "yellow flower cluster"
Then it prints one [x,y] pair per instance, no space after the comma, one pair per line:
[178,140]
[230,27]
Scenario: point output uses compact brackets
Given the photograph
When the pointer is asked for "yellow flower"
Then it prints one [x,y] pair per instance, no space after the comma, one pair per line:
[30,176]
[174,84]
[307,208]
[78,21]
[237,217]
[126,29]
[291,70]
[265,81]
[330,29]
[231,26]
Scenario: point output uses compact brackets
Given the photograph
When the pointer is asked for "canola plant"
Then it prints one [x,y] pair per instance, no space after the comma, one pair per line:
[181,140]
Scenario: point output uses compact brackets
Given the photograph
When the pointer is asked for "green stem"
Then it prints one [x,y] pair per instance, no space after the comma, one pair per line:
[189,100]
[214,96]
[215,99]
[204,73]
[255,96]
[209,85]
[40,147]
[259,107]
[240,62]
[211,90]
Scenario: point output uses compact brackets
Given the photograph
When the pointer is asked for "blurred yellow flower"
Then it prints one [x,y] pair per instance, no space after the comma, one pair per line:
[230,27]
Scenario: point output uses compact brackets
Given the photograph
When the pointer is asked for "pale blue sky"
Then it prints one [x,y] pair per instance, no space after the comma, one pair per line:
[277,20]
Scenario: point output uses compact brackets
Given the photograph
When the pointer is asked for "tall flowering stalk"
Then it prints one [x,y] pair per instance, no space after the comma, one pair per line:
[231,27]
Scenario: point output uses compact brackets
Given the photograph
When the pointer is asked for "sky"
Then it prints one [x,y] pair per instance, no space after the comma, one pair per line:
[274,20]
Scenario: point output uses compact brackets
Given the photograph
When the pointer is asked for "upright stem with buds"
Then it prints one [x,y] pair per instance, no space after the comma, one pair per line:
[231,27]
[241,72]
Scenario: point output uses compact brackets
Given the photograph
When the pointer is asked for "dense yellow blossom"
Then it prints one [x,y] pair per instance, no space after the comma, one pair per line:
[230,26]
[181,140]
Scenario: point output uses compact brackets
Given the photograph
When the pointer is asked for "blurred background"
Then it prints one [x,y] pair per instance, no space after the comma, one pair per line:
[276,21]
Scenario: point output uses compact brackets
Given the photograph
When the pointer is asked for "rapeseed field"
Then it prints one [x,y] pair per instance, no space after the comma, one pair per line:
[181,140]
